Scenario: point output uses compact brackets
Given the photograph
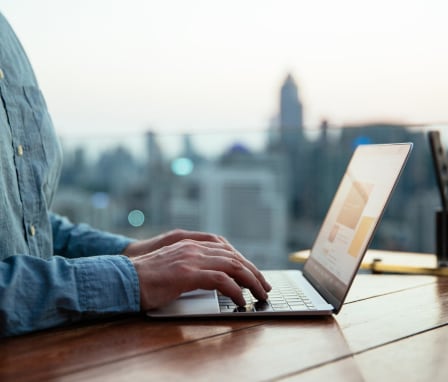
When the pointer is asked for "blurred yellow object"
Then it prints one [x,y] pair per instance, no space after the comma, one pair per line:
[379,261]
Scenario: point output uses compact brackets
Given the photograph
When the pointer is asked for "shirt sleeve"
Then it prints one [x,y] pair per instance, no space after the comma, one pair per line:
[37,294]
[81,240]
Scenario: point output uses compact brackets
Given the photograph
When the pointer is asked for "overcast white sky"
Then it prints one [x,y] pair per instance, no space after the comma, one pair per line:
[109,66]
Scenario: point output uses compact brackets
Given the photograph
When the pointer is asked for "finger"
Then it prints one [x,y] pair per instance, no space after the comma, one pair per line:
[233,253]
[252,267]
[267,287]
[214,249]
[199,236]
[235,269]
[211,279]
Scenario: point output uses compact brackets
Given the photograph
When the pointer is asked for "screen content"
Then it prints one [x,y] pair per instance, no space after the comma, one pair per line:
[354,213]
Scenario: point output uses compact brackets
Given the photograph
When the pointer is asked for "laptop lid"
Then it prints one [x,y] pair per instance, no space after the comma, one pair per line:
[352,218]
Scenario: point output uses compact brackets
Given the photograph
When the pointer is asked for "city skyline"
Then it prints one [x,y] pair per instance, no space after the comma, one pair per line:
[222,193]
[122,68]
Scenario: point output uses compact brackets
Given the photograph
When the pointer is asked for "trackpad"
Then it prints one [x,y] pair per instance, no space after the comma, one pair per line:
[191,303]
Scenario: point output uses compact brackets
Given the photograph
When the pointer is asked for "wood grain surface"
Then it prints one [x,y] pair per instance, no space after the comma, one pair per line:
[392,327]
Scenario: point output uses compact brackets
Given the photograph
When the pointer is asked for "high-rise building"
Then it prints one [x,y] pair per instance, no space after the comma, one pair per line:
[157,183]
[292,142]
[291,110]
[248,207]
[245,204]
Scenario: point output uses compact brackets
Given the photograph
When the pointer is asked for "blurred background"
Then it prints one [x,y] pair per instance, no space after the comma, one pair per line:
[237,117]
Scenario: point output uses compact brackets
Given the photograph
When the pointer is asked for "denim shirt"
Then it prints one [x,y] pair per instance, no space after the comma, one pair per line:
[52,272]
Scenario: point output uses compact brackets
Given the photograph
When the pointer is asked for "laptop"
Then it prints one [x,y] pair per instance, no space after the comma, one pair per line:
[337,252]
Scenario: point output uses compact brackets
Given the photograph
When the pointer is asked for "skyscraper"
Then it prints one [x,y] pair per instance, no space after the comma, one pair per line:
[291,111]
[292,141]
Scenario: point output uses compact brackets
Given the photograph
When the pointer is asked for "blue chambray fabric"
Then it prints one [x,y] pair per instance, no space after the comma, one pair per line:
[52,272]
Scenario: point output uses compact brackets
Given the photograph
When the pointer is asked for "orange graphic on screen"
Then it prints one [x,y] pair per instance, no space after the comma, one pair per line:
[364,229]
[354,204]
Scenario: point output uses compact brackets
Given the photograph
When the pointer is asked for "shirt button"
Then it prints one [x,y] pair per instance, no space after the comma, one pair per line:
[20,150]
[1,75]
[32,230]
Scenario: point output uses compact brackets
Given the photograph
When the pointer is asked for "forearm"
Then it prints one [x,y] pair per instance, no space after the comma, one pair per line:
[37,294]
[80,240]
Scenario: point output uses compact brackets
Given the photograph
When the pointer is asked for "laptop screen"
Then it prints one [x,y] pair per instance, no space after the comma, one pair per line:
[351,220]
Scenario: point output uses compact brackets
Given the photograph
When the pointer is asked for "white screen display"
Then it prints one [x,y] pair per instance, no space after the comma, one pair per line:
[354,213]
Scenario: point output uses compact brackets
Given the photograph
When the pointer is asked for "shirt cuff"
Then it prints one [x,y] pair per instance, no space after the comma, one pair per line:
[107,284]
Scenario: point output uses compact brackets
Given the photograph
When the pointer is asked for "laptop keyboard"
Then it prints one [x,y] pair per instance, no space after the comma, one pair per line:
[283,297]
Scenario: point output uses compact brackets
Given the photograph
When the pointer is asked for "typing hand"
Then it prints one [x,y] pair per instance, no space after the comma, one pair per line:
[186,265]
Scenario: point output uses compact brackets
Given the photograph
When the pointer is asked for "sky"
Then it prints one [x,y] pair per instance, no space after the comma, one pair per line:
[110,67]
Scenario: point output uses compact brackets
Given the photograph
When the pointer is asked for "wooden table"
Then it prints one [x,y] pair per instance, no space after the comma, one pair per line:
[392,328]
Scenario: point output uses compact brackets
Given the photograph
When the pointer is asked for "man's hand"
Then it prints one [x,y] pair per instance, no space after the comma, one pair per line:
[186,265]
[144,247]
